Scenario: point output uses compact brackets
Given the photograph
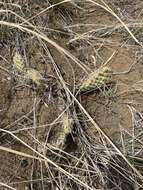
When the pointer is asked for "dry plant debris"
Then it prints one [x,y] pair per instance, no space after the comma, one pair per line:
[54,135]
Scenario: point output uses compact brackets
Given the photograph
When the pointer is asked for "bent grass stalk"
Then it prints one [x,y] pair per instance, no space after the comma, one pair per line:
[42,36]
[7,186]
[108,9]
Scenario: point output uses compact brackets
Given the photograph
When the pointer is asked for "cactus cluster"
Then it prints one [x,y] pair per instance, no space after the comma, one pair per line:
[97,79]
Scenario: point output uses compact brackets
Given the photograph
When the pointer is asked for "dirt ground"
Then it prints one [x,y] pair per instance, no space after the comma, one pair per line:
[31,114]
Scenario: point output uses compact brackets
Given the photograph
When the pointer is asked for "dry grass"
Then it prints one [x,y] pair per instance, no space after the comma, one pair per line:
[47,123]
